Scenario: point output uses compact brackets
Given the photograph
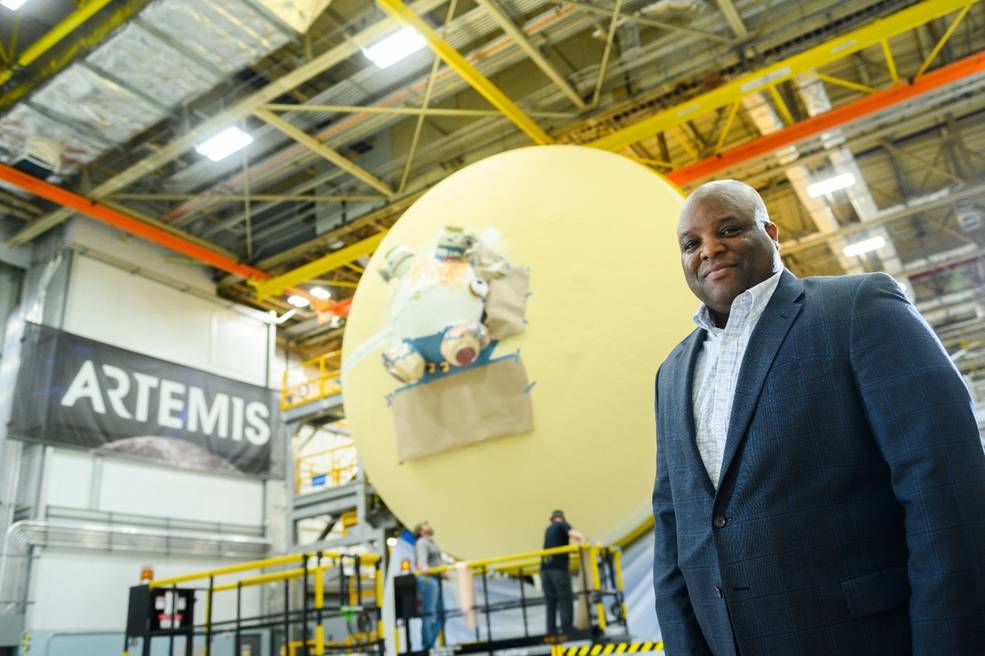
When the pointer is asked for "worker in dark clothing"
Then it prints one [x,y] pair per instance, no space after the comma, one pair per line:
[555,575]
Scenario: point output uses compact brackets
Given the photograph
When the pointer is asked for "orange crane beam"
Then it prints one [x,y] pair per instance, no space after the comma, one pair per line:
[135,227]
[871,104]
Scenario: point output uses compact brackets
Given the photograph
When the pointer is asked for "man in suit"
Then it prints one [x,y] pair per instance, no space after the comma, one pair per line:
[820,481]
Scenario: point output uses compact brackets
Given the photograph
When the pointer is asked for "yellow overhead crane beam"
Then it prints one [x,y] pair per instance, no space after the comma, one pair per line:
[54,36]
[766,79]
[321,266]
[728,95]
[401,12]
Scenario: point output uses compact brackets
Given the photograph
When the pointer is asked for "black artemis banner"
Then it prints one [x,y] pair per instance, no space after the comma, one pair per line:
[78,392]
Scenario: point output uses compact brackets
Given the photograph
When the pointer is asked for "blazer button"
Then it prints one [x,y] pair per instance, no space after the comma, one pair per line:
[718,592]
[719,521]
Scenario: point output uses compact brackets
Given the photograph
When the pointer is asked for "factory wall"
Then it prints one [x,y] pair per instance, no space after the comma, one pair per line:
[158,305]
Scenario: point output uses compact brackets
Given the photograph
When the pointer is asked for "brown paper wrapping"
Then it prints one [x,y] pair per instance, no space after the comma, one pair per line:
[506,303]
[468,407]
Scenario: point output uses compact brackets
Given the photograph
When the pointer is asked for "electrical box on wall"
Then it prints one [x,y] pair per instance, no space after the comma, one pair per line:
[156,609]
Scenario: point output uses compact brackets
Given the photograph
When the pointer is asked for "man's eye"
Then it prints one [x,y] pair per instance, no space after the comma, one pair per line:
[691,245]
[730,231]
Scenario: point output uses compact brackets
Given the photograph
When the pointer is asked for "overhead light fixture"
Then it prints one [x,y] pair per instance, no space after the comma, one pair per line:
[389,51]
[224,144]
[320,293]
[864,246]
[298,301]
[831,184]
[12,5]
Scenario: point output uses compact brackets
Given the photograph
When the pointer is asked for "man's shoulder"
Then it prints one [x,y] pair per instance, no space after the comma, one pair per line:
[839,290]
[847,282]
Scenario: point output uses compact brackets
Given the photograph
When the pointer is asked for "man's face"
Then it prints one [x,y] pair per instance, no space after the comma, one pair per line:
[724,251]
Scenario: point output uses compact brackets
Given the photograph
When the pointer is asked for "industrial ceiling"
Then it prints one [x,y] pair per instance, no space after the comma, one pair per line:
[884,96]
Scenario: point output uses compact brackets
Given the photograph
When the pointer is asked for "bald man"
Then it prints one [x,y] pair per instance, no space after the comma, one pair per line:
[820,481]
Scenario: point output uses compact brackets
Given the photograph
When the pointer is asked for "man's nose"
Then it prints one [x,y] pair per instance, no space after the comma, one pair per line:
[710,247]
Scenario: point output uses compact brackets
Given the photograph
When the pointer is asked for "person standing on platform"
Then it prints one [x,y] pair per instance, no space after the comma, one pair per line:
[555,575]
[427,555]
[820,483]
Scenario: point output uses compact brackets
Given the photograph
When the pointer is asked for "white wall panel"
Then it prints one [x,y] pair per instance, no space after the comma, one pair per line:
[135,487]
[67,478]
[141,254]
[88,590]
[128,310]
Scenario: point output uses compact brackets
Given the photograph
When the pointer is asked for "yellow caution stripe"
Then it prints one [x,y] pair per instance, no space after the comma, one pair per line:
[612,648]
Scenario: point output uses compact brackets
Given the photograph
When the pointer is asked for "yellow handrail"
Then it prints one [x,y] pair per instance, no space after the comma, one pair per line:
[343,466]
[326,383]
[367,558]
[530,555]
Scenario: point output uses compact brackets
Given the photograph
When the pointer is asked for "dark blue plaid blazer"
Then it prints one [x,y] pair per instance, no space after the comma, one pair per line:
[850,516]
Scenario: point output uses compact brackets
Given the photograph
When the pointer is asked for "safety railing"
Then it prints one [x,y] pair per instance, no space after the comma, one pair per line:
[598,591]
[328,468]
[322,593]
[311,380]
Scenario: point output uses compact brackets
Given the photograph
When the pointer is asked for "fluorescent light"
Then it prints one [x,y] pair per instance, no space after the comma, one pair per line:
[864,246]
[297,301]
[320,293]
[395,47]
[224,144]
[13,5]
[831,184]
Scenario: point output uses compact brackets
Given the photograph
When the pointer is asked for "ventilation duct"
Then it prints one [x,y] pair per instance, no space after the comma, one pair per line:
[673,11]
[299,14]
[115,538]
[173,52]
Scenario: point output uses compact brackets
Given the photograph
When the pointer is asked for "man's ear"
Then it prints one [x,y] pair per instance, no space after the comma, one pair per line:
[773,232]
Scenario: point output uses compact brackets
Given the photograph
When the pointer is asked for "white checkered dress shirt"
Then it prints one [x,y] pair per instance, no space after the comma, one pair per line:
[717,370]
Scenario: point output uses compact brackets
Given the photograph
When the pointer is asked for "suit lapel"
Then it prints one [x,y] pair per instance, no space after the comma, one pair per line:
[687,359]
[764,343]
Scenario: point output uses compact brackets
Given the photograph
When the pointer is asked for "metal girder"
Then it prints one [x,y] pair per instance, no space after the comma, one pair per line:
[295,198]
[166,238]
[930,166]
[798,245]
[609,38]
[523,42]
[37,49]
[319,267]
[406,15]
[321,149]
[225,118]
[733,18]
[767,78]
[607,13]
[838,116]
[425,102]
[943,40]
[55,59]
[410,111]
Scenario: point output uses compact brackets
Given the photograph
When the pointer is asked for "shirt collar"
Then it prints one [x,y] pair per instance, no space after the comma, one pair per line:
[757,298]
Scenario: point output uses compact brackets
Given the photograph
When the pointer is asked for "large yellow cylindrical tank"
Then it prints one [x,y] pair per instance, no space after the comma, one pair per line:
[608,304]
